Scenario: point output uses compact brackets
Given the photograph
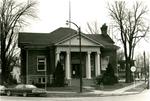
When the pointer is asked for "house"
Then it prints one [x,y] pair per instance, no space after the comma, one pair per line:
[40,53]
[122,68]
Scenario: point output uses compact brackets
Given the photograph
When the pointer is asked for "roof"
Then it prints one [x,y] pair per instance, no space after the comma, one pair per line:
[44,38]
[104,40]
[33,38]
[59,35]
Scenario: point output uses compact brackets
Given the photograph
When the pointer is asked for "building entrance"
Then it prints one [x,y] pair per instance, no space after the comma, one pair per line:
[75,70]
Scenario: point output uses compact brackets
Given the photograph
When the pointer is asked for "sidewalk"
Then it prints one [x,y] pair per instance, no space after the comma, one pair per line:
[122,91]
[131,89]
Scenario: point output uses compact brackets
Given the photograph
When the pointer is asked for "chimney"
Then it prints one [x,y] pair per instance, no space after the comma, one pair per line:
[104,29]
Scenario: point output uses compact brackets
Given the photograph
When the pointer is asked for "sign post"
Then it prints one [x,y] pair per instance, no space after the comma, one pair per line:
[148,74]
[133,69]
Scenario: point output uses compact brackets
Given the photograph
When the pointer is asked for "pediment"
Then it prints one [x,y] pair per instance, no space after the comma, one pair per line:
[74,41]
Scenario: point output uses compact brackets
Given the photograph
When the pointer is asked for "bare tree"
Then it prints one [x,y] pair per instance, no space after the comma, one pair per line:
[93,28]
[13,15]
[131,26]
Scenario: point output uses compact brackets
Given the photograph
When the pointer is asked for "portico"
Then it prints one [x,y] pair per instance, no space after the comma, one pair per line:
[70,62]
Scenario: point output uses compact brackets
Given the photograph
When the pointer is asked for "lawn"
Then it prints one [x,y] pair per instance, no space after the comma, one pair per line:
[112,87]
[138,88]
[67,89]
[89,89]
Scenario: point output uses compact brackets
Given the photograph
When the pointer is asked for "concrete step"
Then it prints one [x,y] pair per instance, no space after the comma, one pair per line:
[86,82]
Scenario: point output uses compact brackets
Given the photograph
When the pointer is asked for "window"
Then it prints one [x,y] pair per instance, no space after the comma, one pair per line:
[41,63]
[41,80]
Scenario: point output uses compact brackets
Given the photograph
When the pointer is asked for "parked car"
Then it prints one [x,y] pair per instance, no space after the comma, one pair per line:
[25,90]
[2,90]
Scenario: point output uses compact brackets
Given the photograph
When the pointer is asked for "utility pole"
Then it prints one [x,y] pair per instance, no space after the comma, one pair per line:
[69,13]
[144,66]
[148,86]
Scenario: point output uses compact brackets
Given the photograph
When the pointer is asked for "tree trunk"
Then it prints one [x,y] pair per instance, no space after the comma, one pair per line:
[5,71]
[3,62]
[128,71]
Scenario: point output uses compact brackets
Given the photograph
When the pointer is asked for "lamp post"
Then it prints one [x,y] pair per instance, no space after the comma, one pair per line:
[79,32]
[145,66]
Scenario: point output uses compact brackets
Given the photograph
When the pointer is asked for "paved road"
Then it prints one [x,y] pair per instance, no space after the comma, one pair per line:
[144,96]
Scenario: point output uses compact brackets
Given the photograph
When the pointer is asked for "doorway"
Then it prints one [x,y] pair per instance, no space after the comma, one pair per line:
[75,71]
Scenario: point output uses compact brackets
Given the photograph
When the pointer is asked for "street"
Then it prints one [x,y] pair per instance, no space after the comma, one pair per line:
[144,96]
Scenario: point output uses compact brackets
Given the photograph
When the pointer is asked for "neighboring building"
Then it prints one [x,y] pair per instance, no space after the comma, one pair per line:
[41,51]
[122,68]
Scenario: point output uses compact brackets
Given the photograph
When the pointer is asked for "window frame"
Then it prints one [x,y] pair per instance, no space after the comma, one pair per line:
[45,64]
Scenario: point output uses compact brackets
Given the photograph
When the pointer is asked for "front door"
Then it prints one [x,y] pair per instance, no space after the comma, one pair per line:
[75,70]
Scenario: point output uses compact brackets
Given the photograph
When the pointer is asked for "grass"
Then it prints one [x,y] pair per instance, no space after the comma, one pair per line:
[138,88]
[73,95]
[112,87]
[67,89]
[84,94]
[94,87]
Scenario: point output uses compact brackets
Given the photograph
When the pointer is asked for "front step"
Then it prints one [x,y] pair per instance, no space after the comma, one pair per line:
[86,82]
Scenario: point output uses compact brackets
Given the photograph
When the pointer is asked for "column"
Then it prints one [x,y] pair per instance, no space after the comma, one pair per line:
[67,70]
[88,67]
[97,64]
[57,58]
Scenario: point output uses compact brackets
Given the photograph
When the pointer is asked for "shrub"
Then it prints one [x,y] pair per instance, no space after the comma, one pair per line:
[108,78]
[59,76]
[98,79]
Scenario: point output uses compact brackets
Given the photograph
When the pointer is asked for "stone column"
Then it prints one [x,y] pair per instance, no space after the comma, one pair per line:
[88,68]
[67,70]
[97,64]
[57,58]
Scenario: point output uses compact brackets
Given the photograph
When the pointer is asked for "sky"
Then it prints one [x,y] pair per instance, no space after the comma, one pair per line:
[53,14]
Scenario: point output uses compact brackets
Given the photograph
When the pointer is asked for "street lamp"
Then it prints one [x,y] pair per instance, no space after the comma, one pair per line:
[79,31]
